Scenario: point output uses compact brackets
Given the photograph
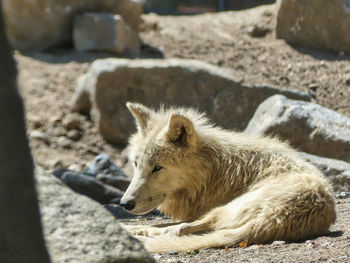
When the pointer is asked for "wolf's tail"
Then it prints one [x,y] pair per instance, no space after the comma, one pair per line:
[218,238]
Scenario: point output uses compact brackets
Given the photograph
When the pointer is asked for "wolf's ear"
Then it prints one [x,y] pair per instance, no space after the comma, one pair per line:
[181,131]
[141,113]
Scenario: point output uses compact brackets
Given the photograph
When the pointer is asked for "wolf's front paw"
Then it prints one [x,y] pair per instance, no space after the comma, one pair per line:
[137,230]
[183,229]
[178,230]
[141,232]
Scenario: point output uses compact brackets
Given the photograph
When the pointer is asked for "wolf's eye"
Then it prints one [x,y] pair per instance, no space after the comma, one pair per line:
[156,168]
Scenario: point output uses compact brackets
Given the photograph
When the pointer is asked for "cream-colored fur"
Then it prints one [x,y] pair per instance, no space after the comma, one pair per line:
[222,186]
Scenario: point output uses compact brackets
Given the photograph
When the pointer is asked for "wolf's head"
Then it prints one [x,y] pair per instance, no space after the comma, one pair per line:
[161,153]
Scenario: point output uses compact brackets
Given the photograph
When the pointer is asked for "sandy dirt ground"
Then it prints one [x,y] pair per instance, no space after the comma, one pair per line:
[242,43]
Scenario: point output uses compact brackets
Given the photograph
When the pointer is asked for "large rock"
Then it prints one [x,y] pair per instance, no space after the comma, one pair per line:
[110,83]
[307,126]
[321,24]
[104,32]
[337,172]
[21,235]
[77,229]
[38,25]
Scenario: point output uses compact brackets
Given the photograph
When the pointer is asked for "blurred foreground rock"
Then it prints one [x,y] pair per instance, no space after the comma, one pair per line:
[110,83]
[77,229]
[39,25]
[307,126]
[104,32]
[21,235]
[320,24]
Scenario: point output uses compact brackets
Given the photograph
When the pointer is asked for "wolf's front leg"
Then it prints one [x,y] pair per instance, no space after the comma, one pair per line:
[149,231]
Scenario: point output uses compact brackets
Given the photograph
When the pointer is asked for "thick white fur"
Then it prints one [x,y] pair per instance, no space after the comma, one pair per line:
[225,187]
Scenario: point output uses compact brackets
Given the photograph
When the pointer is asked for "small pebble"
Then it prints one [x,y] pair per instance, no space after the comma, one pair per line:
[258,31]
[36,121]
[64,142]
[192,252]
[71,121]
[55,164]
[74,135]
[347,81]
[57,131]
[278,242]
[344,195]
[251,247]
[172,253]
[325,244]
[55,119]
[38,135]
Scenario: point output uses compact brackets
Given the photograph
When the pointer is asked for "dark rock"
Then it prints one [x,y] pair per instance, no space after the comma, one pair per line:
[120,182]
[102,164]
[89,186]
[119,212]
[107,172]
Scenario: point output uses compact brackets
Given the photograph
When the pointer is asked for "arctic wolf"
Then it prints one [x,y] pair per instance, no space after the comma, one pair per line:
[222,187]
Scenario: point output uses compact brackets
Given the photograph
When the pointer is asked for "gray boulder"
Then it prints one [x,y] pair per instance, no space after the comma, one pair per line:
[39,25]
[21,235]
[315,23]
[77,229]
[337,172]
[307,126]
[110,83]
[104,32]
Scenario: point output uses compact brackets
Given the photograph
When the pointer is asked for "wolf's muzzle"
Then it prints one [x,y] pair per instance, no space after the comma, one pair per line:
[128,205]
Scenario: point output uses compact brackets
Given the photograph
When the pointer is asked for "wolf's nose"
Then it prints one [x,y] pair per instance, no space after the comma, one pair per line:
[128,205]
